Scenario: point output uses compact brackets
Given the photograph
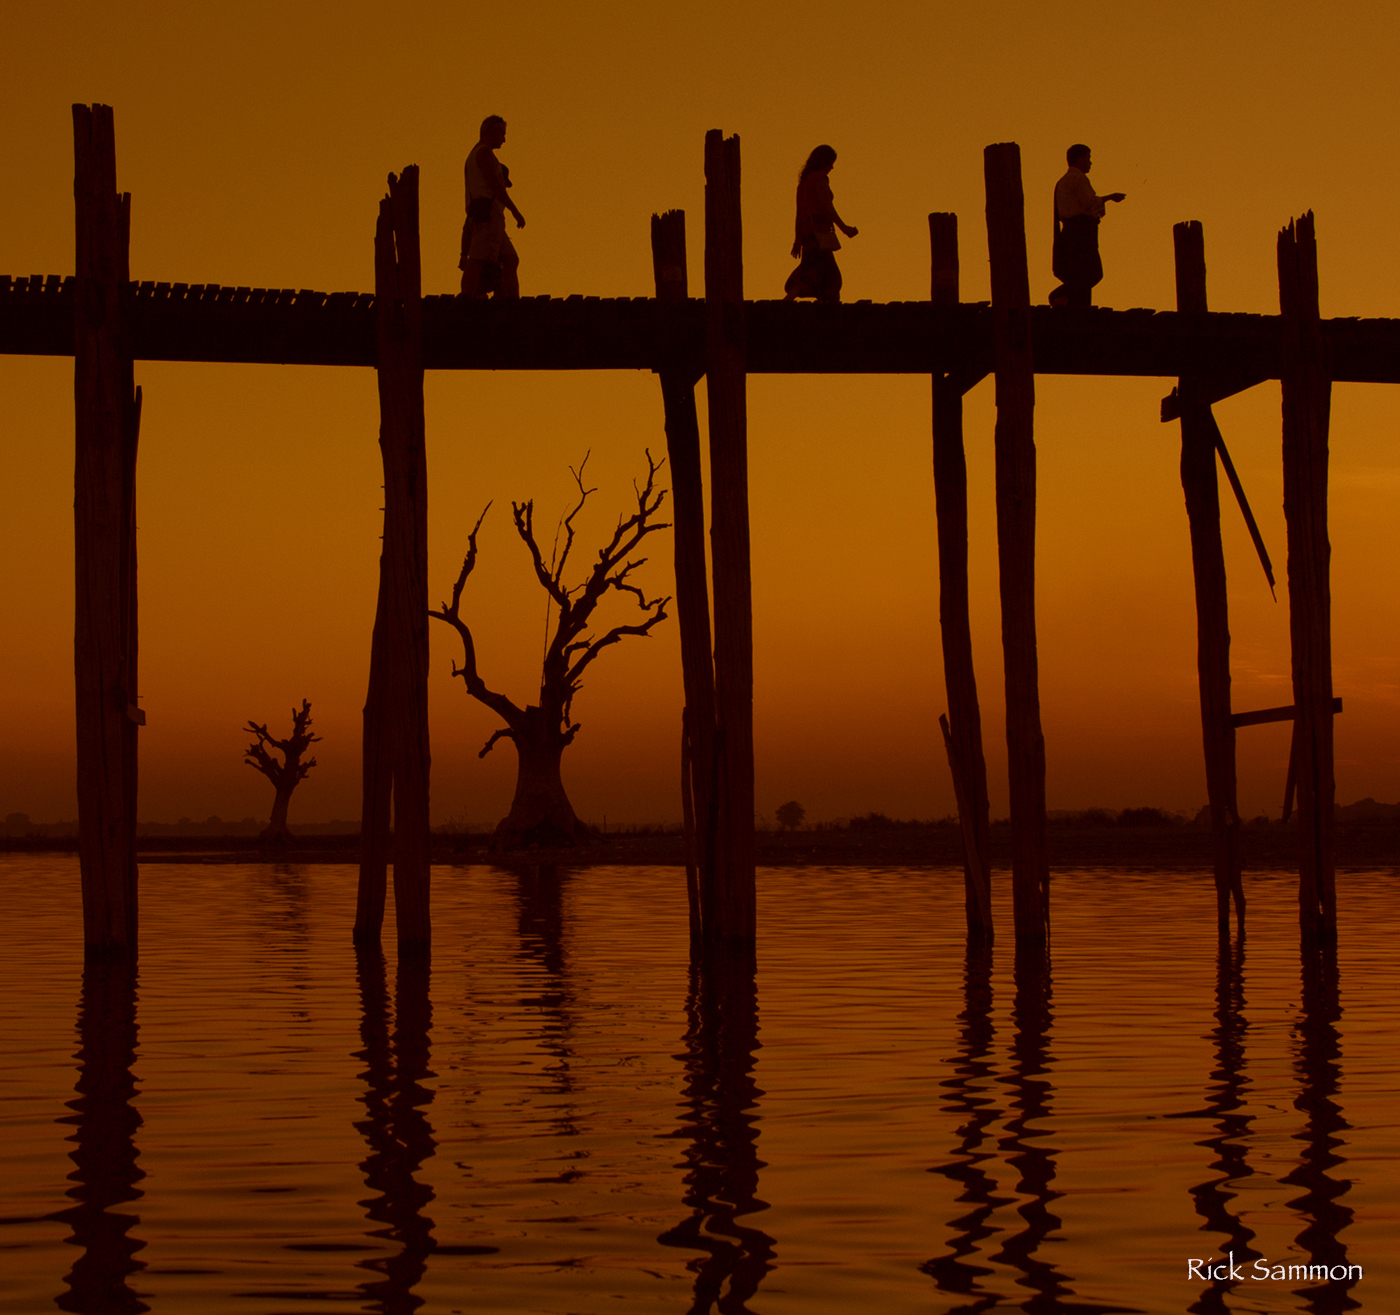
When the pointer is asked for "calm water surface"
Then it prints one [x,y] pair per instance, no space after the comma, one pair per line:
[562,1115]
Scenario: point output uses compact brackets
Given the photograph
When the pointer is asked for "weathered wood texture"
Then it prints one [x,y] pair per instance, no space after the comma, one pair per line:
[727,386]
[964,722]
[107,414]
[396,711]
[1015,500]
[179,322]
[1265,715]
[377,784]
[1201,488]
[700,805]
[1307,396]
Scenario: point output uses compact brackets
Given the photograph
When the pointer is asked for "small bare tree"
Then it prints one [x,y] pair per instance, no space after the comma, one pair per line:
[287,774]
[541,812]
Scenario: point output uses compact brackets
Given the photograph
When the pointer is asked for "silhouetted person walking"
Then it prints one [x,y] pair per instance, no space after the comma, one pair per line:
[489,260]
[816,242]
[1078,210]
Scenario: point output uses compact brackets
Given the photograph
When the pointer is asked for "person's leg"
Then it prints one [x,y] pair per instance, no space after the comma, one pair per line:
[1081,268]
[476,282]
[509,261]
[829,287]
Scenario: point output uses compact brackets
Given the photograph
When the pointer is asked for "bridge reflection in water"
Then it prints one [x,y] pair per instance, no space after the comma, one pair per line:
[1022,1147]
[1005,1243]
[104,1156]
[396,1128]
[969,1097]
[1317,1064]
[1227,1105]
[719,1103]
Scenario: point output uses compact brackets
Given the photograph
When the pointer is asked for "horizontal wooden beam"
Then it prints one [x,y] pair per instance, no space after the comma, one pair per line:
[1207,391]
[179,322]
[1273,714]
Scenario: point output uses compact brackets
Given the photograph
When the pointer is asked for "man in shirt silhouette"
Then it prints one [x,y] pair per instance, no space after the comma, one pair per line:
[1078,210]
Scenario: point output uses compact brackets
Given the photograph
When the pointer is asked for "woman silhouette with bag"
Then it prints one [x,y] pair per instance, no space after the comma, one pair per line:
[816,241]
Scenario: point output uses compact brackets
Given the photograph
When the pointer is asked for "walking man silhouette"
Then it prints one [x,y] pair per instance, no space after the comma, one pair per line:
[1078,209]
[489,261]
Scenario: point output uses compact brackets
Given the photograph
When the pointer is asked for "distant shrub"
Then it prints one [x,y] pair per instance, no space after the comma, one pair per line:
[1102,817]
[790,815]
[872,822]
[1145,817]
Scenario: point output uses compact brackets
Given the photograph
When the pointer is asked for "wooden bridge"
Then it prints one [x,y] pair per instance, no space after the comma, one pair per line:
[280,326]
[106,322]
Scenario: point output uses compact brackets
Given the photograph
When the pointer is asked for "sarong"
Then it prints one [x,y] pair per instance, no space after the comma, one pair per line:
[1075,259]
[817,276]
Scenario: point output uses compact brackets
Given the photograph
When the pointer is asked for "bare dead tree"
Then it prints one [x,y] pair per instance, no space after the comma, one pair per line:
[287,774]
[541,812]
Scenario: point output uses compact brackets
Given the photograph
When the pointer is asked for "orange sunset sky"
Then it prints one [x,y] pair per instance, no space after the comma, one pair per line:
[255,140]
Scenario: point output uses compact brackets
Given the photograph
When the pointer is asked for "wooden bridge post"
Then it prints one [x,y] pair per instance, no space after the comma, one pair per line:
[726,379]
[678,381]
[963,733]
[1015,496]
[1200,485]
[107,417]
[1307,398]
[396,711]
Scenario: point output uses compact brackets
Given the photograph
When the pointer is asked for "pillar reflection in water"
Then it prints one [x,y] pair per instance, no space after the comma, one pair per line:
[1024,1146]
[967,1098]
[1317,1062]
[1226,1100]
[104,1155]
[396,1127]
[719,1104]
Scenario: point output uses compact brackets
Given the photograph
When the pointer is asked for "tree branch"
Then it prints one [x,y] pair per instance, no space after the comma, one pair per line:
[569,519]
[291,770]
[505,733]
[637,525]
[612,637]
[524,513]
[451,613]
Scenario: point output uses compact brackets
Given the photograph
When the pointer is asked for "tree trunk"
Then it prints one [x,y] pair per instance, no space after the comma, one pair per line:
[277,831]
[540,813]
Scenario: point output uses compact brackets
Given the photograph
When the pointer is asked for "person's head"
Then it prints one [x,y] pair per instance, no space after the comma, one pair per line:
[819,161]
[493,130]
[1078,157]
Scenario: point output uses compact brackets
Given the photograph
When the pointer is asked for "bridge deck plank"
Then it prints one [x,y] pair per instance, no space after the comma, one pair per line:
[282,326]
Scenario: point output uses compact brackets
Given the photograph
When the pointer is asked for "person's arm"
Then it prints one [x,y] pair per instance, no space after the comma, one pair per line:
[497,179]
[1097,200]
[835,218]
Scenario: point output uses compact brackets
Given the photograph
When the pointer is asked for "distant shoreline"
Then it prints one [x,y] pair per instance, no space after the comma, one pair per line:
[901,845]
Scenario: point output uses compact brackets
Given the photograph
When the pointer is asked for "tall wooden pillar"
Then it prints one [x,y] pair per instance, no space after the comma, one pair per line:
[1201,487]
[1015,479]
[678,379]
[963,727]
[396,710]
[107,416]
[726,379]
[1307,398]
